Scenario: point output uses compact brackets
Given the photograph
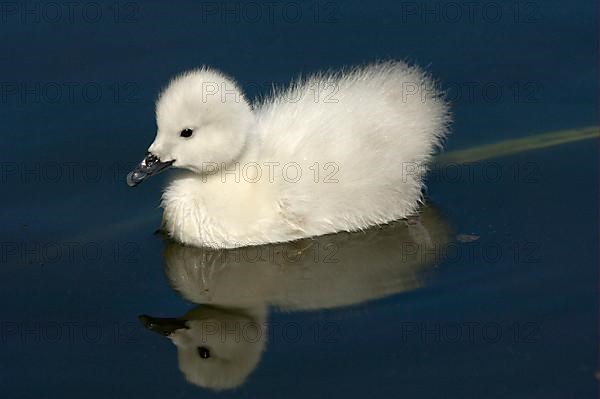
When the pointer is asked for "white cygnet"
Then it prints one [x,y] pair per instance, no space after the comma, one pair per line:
[337,151]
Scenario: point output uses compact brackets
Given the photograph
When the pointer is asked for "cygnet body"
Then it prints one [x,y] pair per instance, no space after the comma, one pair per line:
[334,152]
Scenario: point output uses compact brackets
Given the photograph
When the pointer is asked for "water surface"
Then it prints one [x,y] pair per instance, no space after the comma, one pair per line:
[507,309]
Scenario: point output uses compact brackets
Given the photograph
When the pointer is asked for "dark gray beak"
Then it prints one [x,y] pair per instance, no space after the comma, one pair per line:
[162,325]
[150,165]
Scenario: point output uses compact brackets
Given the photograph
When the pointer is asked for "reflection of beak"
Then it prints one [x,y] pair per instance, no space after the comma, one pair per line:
[150,165]
[163,326]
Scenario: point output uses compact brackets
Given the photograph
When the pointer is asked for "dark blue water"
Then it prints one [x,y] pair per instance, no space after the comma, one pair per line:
[511,314]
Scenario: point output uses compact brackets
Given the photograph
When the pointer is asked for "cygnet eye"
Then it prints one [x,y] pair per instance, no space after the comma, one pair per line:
[186,133]
[203,352]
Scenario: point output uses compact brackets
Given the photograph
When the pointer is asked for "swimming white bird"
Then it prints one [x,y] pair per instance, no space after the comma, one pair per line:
[334,152]
[220,342]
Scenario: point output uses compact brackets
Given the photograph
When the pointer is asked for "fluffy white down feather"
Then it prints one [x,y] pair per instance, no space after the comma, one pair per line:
[338,151]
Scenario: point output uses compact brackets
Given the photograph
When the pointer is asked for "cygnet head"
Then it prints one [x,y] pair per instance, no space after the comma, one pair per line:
[202,119]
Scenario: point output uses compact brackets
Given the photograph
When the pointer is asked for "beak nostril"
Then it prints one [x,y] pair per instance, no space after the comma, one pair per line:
[150,165]
[151,159]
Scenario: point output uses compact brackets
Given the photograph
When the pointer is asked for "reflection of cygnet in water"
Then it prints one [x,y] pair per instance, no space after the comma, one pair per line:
[220,342]
[217,347]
